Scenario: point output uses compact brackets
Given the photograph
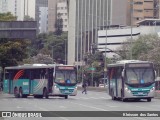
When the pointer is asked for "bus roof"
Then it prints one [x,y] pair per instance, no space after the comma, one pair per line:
[35,66]
[123,62]
[29,66]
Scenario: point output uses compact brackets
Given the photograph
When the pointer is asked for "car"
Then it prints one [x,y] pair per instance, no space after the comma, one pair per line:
[101,85]
[79,85]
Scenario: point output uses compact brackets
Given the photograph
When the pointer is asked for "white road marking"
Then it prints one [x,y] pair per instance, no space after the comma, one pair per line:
[19,107]
[111,106]
[89,106]
[145,108]
[62,107]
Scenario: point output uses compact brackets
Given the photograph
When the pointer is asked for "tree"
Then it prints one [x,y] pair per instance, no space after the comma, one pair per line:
[28,18]
[139,46]
[12,51]
[59,25]
[147,48]
[7,17]
[52,45]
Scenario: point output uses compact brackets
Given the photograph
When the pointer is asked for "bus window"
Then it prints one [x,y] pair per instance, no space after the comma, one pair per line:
[139,75]
[72,76]
[59,77]
[62,76]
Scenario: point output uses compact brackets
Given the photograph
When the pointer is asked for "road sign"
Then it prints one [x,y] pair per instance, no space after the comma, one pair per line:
[92,68]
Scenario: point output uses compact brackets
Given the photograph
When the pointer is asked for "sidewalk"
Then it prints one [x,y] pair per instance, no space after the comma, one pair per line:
[157,94]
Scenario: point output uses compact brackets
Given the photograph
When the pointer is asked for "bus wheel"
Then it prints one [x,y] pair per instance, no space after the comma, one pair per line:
[16,92]
[66,96]
[45,93]
[148,99]
[124,99]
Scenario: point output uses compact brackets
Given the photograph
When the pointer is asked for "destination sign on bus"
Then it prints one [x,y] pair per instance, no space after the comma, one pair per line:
[66,68]
[139,65]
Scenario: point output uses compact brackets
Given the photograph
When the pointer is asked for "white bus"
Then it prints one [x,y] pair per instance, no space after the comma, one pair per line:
[41,80]
[131,79]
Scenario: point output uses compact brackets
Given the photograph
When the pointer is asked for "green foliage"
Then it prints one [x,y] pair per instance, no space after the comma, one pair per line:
[50,44]
[92,61]
[143,44]
[12,52]
[28,18]
[7,17]
[147,48]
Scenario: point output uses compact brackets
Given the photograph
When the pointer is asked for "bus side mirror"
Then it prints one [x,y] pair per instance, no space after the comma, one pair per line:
[123,73]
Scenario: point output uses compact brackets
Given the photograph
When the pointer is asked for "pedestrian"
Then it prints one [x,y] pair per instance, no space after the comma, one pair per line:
[1,86]
[84,88]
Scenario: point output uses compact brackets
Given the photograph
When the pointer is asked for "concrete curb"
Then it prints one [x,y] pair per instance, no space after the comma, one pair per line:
[157,94]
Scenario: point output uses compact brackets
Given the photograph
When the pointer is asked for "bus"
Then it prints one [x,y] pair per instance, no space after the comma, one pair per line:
[131,79]
[40,80]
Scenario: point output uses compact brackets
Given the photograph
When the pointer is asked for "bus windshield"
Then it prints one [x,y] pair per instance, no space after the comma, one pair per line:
[139,75]
[68,77]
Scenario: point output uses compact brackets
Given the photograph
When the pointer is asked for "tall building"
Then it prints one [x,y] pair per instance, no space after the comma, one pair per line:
[43,19]
[62,11]
[17,8]
[13,6]
[86,17]
[52,14]
[142,9]
[3,6]
[119,12]
[40,6]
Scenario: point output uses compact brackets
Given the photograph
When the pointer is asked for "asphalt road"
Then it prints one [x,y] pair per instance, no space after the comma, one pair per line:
[92,101]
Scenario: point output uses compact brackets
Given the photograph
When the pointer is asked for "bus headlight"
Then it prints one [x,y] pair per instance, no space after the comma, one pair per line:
[152,89]
[128,90]
[55,86]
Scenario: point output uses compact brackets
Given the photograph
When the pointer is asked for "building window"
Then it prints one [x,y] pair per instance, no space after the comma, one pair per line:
[138,3]
[138,10]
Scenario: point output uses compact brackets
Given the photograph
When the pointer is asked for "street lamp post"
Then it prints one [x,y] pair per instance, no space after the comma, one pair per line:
[131,28]
[52,55]
[105,67]
[65,53]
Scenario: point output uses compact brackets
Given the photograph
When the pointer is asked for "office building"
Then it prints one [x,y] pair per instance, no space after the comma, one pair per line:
[86,17]
[41,7]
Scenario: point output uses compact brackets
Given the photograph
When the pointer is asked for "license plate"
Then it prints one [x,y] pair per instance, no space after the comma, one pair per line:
[66,91]
[140,93]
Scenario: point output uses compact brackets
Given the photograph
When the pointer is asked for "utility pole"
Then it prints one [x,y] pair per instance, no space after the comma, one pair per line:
[131,12]
[24,7]
[105,67]
[65,54]
[52,55]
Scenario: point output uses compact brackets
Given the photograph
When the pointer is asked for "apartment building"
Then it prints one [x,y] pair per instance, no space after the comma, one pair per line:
[41,15]
[62,11]
[142,9]
[52,14]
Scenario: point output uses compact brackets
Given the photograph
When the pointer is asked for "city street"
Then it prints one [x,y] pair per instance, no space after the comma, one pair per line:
[93,101]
